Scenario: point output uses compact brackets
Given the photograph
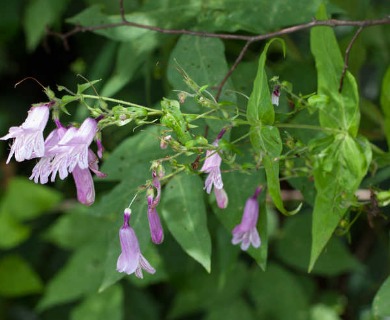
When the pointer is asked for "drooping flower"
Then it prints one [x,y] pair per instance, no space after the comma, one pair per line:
[131,259]
[28,137]
[82,177]
[212,166]
[156,230]
[246,232]
[84,182]
[275,95]
[72,149]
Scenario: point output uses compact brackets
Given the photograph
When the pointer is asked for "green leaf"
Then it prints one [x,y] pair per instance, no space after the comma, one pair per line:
[156,14]
[266,141]
[76,228]
[259,104]
[232,15]
[237,309]
[339,168]
[17,278]
[26,200]
[277,284]
[385,103]
[82,87]
[101,306]
[40,14]
[380,305]
[203,59]
[12,232]
[131,55]
[185,215]
[131,159]
[293,248]
[342,108]
[79,277]
[231,216]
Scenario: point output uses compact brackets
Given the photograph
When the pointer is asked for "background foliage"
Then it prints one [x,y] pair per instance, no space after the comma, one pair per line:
[57,258]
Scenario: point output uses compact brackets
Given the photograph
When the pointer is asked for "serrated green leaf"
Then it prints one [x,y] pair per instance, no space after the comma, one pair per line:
[342,109]
[259,104]
[17,278]
[231,216]
[385,103]
[293,248]
[101,306]
[26,200]
[339,169]
[184,212]
[40,14]
[381,306]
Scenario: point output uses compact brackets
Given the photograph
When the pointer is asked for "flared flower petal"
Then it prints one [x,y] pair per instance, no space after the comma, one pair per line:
[131,260]
[28,138]
[246,232]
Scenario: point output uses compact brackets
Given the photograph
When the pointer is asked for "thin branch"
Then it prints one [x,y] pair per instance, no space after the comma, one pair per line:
[249,39]
[232,68]
[346,59]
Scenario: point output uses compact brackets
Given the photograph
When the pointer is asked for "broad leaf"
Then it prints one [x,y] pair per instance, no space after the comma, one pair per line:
[293,248]
[381,306]
[185,215]
[339,168]
[38,16]
[101,306]
[342,108]
[259,104]
[17,278]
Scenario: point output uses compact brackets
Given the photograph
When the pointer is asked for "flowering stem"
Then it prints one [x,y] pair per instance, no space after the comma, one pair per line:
[126,103]
[306,126]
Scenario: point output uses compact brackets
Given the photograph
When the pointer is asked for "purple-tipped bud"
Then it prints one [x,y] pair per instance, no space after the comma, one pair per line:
[275,95]
[28,138]
[100,148]
[131,259]
[246,232]
[156,230]
[164,141]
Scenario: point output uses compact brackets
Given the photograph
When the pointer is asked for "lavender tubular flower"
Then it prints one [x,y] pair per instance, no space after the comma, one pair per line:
[156,230]
[246,232]
[131,260]
[72,149]
[221,197]
[28,138]
[212,166]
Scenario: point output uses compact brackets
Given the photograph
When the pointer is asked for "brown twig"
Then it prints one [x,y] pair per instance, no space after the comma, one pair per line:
[346,59]
[249,39]
[232,68]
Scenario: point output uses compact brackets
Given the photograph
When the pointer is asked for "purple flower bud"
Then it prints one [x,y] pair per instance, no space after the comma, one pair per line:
[221,197]
[275,95]
[156,230]
[246,231]
[131,259]
[28,137]
[164,141]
